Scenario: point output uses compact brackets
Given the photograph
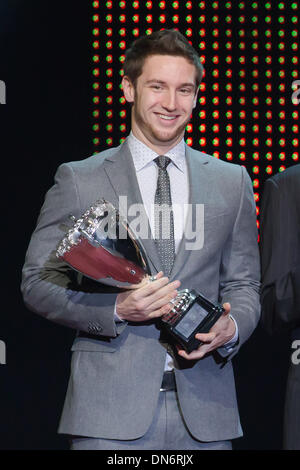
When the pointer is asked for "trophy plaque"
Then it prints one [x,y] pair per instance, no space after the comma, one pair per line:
[101,246]
[191,313]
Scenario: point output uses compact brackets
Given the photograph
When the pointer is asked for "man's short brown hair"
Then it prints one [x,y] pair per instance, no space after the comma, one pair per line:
[165,42]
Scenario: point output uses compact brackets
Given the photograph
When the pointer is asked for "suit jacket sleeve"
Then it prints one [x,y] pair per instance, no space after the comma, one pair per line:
[280,251]
[49,286]
[240,267]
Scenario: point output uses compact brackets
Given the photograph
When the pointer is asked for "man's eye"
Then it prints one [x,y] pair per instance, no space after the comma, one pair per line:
[156,87]
[185,91]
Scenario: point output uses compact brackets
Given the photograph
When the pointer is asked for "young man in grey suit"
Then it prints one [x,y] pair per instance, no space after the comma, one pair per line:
[129,388]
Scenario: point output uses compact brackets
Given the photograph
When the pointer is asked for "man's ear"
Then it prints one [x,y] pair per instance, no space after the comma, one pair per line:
[128,89]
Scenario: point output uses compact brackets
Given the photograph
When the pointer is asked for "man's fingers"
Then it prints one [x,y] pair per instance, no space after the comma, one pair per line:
[151,287]
[206,337]
[161,302]
[227,307]
[165,291]
[197,354]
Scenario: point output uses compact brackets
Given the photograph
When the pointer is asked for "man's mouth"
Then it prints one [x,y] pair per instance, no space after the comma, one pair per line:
[167,118]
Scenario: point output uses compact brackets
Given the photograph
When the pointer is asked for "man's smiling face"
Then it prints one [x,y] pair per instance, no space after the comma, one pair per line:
[163,99]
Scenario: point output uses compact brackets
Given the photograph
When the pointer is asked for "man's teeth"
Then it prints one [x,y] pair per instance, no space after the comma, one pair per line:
[167,117]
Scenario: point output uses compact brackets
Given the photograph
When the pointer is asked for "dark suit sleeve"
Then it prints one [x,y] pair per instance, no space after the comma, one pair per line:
[49,286]
[280,251]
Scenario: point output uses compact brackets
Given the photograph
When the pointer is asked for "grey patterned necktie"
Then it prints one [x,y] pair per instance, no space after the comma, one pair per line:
[163,216]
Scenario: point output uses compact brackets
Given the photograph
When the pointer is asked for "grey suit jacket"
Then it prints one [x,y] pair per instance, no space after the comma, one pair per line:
[116,372]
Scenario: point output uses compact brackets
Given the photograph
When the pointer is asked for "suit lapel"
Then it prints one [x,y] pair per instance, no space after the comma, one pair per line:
[119,168]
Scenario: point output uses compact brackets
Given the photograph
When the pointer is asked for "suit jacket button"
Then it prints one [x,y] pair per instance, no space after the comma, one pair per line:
[94,328]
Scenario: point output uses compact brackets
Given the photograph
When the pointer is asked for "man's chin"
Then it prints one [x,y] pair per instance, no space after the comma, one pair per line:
[167,137]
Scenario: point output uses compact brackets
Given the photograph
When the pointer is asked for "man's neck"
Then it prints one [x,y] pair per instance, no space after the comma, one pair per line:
[159,149]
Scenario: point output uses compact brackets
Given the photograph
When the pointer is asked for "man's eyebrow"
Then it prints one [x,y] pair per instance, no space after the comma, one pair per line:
[153,80]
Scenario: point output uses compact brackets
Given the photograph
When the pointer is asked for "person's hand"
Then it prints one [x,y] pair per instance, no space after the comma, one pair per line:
[148,300]
[221,332]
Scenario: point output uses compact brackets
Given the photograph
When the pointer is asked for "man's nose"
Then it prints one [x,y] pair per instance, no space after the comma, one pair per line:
[169,100]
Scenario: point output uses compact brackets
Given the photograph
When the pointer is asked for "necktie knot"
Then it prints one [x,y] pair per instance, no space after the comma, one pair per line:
[162,162]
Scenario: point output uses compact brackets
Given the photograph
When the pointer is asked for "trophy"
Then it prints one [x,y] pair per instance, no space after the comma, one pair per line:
[101,245]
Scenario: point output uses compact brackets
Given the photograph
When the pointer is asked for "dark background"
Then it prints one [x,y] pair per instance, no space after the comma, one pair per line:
[45,61]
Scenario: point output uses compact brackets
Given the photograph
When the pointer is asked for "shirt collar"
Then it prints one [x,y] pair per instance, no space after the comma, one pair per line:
[142,155]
